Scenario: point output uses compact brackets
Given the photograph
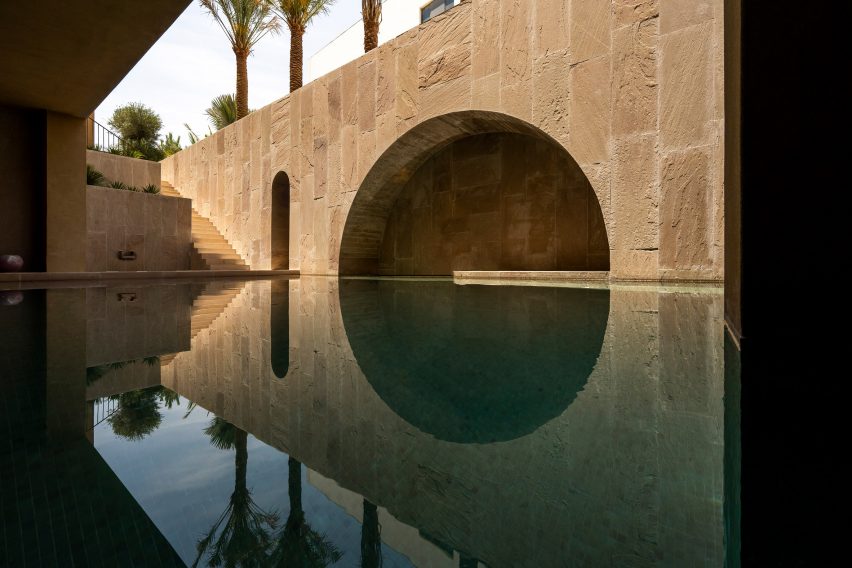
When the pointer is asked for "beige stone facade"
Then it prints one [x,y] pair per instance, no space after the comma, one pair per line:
[155,227]
[129,171]
[631,90]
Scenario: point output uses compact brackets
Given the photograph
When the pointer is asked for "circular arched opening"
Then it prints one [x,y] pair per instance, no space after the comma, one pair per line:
[474,191]
[280,222]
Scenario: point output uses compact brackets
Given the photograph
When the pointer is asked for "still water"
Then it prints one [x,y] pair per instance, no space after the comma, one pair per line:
[324,422]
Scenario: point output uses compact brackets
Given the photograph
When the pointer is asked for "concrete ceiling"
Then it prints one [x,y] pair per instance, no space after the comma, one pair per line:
[68,55]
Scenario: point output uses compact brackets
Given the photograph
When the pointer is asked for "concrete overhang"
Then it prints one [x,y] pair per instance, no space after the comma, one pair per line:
[67,56]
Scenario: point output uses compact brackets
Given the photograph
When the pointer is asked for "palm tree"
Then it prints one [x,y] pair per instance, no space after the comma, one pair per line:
[371,537]
[222,111]
[245,22]
[241,536]
[298,544]
[371,12]
[298,14]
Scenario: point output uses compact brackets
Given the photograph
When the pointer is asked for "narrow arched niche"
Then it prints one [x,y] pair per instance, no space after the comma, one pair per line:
[474,190]
[281,222]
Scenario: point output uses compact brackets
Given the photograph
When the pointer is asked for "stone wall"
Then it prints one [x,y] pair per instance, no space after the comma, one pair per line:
[157,228]
[651,496]
[632,90]
[495,202]
[130,171]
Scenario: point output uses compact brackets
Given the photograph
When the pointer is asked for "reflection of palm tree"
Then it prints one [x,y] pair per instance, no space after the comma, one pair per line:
[298,544]
[138,413]
[371,537]
[241,536]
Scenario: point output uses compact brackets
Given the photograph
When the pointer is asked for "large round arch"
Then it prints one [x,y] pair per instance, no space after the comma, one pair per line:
[474,190]
[280,222]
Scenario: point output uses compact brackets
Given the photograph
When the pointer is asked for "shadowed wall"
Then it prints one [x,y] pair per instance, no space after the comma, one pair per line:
[495,202]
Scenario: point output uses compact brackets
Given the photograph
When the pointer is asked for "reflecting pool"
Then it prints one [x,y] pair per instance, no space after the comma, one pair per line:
[362,422]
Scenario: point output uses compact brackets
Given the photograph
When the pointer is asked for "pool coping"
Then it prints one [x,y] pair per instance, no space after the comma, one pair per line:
[18,280]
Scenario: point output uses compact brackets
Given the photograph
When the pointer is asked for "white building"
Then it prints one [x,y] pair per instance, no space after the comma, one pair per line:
[398,16]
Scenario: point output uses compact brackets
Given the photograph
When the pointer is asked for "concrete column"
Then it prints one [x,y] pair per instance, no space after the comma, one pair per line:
[65,166]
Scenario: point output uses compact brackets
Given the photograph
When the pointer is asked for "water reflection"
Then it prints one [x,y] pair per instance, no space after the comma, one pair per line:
[438,425]
[474,364]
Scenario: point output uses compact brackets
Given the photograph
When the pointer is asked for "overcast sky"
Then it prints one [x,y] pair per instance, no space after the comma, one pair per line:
[193,62]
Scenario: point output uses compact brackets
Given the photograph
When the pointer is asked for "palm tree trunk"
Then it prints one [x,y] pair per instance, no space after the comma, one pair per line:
[371,539]
[296,58]
[294,485]
[371,35]
[241,460]
[242,84]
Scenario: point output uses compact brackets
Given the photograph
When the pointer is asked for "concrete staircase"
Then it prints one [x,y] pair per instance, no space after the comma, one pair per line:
[212,250]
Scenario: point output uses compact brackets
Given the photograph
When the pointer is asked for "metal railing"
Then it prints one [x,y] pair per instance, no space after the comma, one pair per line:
[103,408]
[102,138]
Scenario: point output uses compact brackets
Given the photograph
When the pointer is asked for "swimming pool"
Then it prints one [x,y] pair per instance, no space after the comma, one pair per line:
[362,422]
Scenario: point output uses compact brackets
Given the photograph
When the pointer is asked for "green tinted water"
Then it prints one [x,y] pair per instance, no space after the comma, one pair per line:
[318,422]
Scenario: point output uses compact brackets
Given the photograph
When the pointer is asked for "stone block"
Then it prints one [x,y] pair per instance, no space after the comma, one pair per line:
[515,40]
[367,95]
[551,26]
[686,209]
[634,85]
[686,87]
[386,80]
[627,12]
[589,111]
[589,29]
[551,94]
[678,14]
[407,82]
[486,93]
[486,34]
[634,264]
[635,198]
[444,98]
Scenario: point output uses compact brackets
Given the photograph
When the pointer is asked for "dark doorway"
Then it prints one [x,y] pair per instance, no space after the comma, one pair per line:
[281,222]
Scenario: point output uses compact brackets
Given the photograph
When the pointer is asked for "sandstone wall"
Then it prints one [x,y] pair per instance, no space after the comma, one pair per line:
[157,228]
[652,494]
[495,202]
[130,171]
[632,89]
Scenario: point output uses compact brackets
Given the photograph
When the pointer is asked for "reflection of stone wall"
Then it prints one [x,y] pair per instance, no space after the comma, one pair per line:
[632,90]
[630,473]
[495,202]
[157,228]
[132,321]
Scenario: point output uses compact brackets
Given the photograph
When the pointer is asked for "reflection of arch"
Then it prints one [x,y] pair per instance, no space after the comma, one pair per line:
[474,364]
[279,323]
[387,183]
[281,222]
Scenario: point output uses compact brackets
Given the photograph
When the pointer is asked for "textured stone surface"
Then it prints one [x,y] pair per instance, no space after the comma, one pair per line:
[590,110]
[155,227]
[686,87]
[589,29]
[600,78]
[495,202]
[634,87]
[686,236]
[635,196]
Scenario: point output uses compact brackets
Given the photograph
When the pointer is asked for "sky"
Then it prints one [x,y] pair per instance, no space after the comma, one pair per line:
[192,63]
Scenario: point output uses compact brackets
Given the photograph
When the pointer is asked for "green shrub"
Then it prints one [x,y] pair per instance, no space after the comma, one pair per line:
[94,177]
[151,188]
[118,185]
